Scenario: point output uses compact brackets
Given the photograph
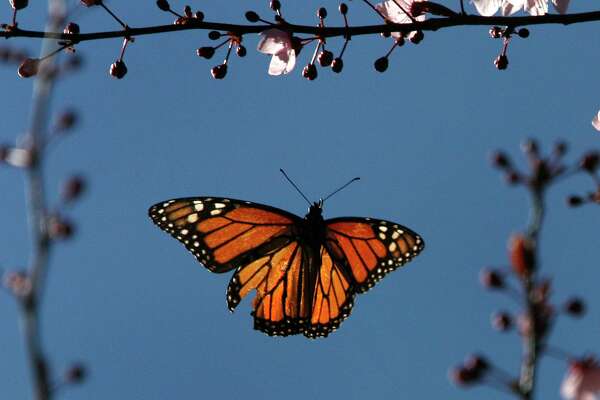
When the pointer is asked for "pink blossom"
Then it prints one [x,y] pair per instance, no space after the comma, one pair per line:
[582,381]
[509,7]
[392,12]
[596,121]
[280,44]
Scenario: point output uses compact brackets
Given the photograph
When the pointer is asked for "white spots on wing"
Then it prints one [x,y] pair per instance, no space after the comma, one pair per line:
[184,232]
[215,212]
[395,235]
[383,228]
[196,244]
[192,218]
[219,205]
[160,211]
[199,206]
[163,219]
[382,236]
[392,247]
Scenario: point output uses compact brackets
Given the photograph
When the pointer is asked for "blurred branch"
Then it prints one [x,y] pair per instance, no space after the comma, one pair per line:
[34,141]
[433,24]
[532,343]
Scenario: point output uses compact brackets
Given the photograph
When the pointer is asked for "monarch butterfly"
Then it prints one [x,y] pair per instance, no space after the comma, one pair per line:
[306,271]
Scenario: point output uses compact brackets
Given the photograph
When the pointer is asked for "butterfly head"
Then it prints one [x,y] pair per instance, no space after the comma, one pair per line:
[315,212]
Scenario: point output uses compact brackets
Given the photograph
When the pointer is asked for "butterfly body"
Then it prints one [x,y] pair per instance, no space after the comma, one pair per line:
[305,271]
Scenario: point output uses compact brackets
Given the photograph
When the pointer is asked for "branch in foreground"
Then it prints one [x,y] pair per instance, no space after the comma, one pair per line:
[433,24]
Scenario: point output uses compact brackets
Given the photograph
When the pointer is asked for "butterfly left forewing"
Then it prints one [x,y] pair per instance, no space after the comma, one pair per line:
[371,248]
[222,233]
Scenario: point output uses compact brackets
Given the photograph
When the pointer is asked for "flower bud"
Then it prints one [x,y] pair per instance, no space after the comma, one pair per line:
[118,69]
[18,4]
[491,279]
[310,72]
[574,201]
[59,228]
[590,161]
[560,148]
[513,178]
[219,71]
[477,364]
[575,307]
[89,3]
[75,374]
[343,8]
[73,188]
[199,15]
[322,13]
[163,5]
[17,282]
[251,16]
[325,58]
[416,37]
[214,35]
[187,11]
[501,62]
[523,33]
[381,64]
[66,121]
[71,28]
[241,51]
[275,5]
[521,255]
[462,376]
[205,52]
[29,67]
[502,321]
[500,160]
[530,147]
[337,65]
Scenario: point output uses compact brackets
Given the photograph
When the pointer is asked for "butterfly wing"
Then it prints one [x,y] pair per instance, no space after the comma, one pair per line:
[333,297]
[293,295]
[224,233]
[370,248]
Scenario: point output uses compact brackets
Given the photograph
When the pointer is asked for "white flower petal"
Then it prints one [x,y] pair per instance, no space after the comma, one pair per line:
[273,40]
[486,8]
[283,62]
[536,7]
[561,5]
[391,11]
[596,121]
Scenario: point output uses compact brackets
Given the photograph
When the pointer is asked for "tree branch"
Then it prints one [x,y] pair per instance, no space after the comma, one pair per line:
[432,24]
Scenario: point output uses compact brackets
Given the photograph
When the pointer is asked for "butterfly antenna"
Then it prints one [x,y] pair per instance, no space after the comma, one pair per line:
[337,190]
[294,185]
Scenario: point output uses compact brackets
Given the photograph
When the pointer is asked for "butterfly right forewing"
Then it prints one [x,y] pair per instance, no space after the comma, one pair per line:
[371,248]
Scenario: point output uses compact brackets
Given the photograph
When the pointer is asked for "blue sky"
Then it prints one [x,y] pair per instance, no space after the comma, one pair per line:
[151,323]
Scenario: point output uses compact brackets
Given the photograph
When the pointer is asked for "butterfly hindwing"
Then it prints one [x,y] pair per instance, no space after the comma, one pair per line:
[222,233]
[371,248]
[281,305]
[333,297]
